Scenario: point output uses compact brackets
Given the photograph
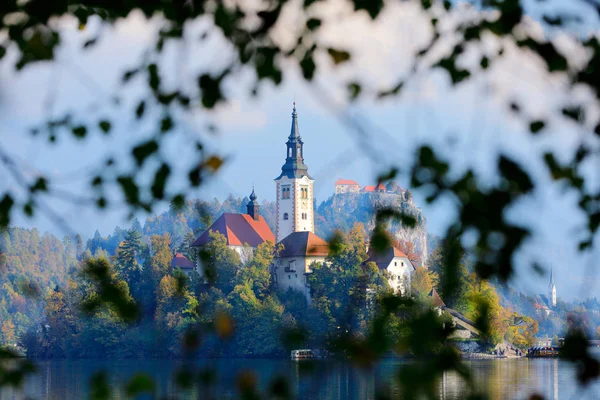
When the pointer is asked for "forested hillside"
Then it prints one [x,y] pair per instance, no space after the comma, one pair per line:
[45,290]
[31,266]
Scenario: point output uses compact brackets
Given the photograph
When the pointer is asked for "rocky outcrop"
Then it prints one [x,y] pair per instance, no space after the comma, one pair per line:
[343,210]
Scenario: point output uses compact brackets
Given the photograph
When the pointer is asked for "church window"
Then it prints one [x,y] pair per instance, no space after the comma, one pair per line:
[304,216]
[304,192]
[290,152]
[395,263]
[402,263]
[286,216]
[285,192]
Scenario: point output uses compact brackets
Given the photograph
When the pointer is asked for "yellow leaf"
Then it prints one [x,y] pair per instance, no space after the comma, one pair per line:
[214,163]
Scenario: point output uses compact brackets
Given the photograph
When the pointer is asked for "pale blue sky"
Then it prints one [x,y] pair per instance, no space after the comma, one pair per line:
[469,125]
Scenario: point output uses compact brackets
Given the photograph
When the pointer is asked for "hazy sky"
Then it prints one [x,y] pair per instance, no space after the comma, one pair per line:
[470,125]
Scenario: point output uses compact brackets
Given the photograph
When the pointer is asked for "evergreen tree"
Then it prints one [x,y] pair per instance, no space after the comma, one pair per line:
[128,256]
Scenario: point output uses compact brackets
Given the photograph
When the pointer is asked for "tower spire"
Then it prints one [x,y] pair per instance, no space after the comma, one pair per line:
[294,166]
[253,207]
[551,276]
[295,131]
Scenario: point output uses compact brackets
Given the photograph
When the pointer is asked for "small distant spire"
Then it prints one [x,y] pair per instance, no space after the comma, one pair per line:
[295,132]
[253,209]
[551,276]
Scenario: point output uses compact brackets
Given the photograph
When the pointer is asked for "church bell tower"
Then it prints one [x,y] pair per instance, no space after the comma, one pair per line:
[295,211]
[552,290]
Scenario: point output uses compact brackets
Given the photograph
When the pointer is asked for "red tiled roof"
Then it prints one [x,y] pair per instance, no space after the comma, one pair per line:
[239,229]
[369,189]
[181,261]
[381,186]
[384,258]
[435,299]
[304,244]
[346,182]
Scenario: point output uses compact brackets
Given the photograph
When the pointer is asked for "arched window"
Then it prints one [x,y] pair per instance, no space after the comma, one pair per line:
[304,216]
[290,152]
[286,216]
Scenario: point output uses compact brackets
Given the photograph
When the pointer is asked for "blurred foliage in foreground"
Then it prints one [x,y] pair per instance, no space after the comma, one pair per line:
[32,35]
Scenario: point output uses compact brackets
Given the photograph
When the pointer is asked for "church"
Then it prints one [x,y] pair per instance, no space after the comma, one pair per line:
[294,228]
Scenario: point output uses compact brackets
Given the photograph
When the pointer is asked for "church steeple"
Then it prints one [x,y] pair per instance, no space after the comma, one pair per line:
[295,195]
[552,289]
[294,166]
[253,207]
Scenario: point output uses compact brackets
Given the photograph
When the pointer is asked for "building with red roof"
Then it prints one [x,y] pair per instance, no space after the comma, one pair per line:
[397,266]
[346,186]
[183,263]
[243,232]
[292,266]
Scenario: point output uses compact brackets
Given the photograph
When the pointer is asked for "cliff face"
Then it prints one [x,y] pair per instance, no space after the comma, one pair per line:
[343,210]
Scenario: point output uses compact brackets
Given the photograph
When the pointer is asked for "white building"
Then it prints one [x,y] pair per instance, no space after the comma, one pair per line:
[292,266]
[295,209]
[396,266]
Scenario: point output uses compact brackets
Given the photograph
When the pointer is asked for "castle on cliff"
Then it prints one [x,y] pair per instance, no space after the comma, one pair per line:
[295,225]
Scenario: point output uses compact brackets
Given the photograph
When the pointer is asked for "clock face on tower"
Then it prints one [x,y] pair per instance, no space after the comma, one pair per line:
[304,204]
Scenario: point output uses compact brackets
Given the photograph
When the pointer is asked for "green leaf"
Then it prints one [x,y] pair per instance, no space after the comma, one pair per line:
[5,206]
[90,43]
[139,384]
[144,150]
[166,124]
[373,7]
[391,91]
[536,126]
[140,109]
[104,126]
[28,208]
[130,189]
[338,56]
[307,64]
[153,77]
[211,90]
[312,24]
[354,89]
[40,185]
[160,181]
[518,179]
[99,387]
[484,63]
[79,131]
[129,74]
[575,113]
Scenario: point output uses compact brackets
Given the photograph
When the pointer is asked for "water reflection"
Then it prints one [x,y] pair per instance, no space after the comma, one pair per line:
[500,379]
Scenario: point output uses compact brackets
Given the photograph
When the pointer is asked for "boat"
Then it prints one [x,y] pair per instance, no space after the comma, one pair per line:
[543,352]
[308,354]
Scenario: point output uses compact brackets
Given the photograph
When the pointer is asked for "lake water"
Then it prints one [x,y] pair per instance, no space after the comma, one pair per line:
[502,379]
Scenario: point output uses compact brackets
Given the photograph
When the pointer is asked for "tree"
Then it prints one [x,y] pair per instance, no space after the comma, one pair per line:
[33,37]
[161,256]
[408,248]
[220,263]
[422,282]
[128,257]
[257,270]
